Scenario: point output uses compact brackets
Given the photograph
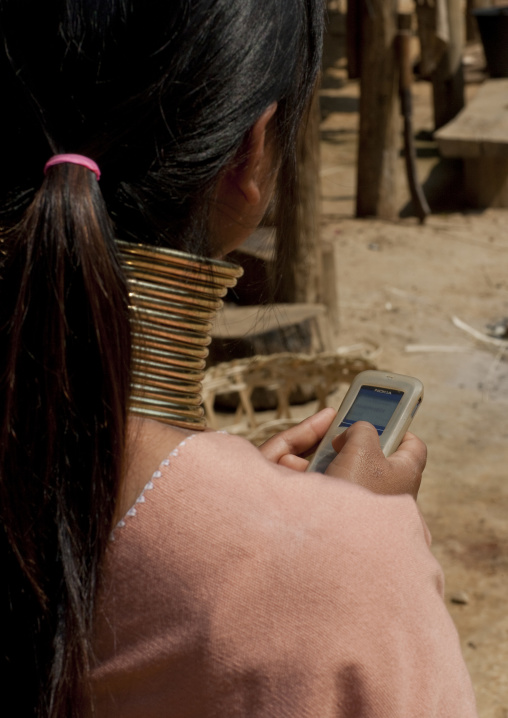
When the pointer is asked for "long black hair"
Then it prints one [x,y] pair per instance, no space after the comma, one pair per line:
[162,95]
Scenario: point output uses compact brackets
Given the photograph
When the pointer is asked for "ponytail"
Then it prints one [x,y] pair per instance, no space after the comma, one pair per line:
[64,387]
[164,93]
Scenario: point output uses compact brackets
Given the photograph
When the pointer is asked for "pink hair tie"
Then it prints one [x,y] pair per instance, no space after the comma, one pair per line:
[74,160]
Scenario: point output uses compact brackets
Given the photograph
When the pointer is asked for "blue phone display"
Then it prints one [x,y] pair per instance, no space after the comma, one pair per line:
[374,405]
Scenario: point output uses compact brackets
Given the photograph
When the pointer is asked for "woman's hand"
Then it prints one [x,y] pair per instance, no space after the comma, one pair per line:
[361,461]
[289,447]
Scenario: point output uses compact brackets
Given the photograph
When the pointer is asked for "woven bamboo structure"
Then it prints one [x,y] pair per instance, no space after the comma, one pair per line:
[280,373]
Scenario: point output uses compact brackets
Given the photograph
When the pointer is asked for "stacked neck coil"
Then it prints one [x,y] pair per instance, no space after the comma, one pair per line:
[174,297]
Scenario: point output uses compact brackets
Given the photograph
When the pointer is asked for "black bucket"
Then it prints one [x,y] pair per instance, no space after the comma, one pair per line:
[493,27]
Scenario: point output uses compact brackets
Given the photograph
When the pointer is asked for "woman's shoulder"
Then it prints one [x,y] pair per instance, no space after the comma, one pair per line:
[147,442]
[218,488]
[308,581]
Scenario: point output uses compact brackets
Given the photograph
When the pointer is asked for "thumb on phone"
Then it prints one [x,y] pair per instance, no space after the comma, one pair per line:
[360,460]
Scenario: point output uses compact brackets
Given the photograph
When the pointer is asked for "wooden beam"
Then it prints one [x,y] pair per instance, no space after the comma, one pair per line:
[379,117]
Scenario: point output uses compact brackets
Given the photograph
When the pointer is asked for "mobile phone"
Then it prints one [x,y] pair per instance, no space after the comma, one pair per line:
[388,401]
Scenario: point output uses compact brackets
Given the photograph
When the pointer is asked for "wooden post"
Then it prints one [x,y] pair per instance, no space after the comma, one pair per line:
[310,275]
[353,38]
[297,271]
[448,77]
[308,268]
[379,116]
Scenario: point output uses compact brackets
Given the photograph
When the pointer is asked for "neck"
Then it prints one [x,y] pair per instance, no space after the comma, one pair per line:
[174,297]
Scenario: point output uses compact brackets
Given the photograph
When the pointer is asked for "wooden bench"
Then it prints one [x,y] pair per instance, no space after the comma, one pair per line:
[246,331]
[479,135]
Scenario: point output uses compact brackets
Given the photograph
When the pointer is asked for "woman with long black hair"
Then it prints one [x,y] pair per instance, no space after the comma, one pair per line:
[141,142]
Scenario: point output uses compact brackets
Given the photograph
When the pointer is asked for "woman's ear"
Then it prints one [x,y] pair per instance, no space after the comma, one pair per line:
[244,189]
[258,157]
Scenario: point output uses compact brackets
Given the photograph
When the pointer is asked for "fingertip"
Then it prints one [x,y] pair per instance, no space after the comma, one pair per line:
[364,426]
[321,421]
[290,461]
[328,411]
[360,428]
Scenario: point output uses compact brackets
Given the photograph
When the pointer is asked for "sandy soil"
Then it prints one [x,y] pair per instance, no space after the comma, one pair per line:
[399,286]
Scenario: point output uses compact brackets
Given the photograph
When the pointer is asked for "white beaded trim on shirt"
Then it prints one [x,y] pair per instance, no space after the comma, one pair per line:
[150,485]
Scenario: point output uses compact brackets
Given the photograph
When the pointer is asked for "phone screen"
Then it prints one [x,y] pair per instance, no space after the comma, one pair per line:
[374,405]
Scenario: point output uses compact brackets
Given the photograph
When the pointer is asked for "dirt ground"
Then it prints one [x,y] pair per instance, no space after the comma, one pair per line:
[400,284]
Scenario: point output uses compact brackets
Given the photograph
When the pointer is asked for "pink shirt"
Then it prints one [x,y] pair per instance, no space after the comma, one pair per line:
[240,588]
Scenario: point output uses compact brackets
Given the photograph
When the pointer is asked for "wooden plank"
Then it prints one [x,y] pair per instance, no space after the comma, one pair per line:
[481,129]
